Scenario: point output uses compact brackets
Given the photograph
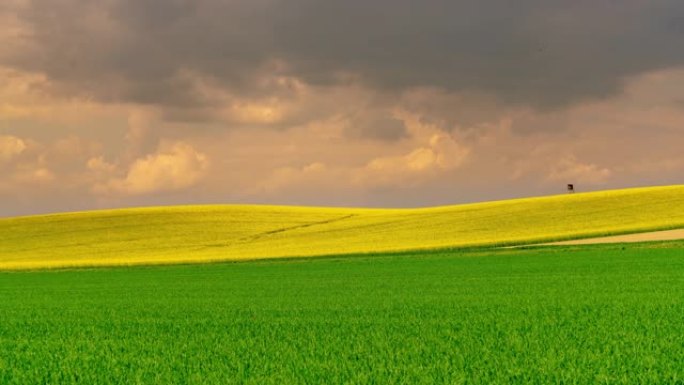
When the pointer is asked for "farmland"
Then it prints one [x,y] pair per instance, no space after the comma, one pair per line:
[184,234]
[328,295]
[580,314]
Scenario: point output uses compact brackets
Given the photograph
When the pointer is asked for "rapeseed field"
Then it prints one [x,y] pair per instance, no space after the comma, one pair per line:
[184,234]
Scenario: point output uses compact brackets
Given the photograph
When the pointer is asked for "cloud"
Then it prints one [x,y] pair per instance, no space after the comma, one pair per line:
[571,170]
[174,166]
[23,164]
[441,153]
[536,53]
[431,156]
[286,178]
[330,102]
[100,166]
[377,125]
[34,174]
[10,147]
[55,165]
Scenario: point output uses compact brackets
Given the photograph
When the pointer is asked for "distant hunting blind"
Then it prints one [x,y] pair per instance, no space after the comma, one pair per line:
[571,188]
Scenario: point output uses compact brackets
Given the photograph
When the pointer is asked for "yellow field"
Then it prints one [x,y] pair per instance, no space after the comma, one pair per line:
[212,233]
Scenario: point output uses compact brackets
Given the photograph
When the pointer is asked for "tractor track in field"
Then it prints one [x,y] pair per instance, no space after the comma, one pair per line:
[258,236]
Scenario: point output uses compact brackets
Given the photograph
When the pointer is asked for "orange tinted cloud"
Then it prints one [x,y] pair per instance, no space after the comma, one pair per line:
[174,166]
[450,148]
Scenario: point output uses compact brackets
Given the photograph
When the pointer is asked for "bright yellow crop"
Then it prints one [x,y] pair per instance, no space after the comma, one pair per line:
[212,233]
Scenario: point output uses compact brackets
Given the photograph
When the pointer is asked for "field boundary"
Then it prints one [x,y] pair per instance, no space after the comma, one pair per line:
[647,236]
[465,250]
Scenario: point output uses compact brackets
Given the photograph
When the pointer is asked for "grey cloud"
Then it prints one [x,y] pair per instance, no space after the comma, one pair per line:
[544,53]
[377,126]
[134,50]
[539,53]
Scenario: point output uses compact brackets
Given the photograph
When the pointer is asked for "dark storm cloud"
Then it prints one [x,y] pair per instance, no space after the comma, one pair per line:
[135,49]
[538,52]
[541,53]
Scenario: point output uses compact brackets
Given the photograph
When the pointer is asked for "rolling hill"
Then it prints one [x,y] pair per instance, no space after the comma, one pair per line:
[181,234]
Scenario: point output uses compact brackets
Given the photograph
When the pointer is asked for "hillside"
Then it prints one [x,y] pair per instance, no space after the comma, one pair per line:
[180,234]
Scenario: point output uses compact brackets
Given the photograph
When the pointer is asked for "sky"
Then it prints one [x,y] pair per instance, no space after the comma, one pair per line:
[377,103]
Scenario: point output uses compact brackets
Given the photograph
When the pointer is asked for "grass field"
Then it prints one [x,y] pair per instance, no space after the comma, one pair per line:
[210,233]
[570,315]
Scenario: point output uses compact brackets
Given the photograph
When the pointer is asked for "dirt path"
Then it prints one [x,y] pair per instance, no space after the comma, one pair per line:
[669,235]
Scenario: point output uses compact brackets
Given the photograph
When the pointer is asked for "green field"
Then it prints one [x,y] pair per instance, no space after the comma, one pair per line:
[209,233]
[586,315]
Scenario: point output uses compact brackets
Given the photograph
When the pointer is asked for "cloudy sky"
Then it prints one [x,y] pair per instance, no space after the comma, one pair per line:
[395,103]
